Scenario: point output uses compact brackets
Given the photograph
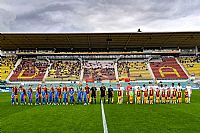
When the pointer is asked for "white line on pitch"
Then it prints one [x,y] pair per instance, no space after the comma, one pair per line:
[104,119]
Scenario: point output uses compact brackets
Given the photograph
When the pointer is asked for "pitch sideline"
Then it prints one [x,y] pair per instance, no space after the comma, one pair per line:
[104,119]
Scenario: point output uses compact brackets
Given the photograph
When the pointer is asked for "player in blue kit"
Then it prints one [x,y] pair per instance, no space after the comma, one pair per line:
[53,94]
[71,93]
[65,100]
[79,96]
[56,98]
[43,97]
[29,97]
[37,97]
[85,97]
[22,97]
[50,97]
[13,98]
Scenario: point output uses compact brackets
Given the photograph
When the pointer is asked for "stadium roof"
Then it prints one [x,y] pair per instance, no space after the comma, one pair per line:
[10,41]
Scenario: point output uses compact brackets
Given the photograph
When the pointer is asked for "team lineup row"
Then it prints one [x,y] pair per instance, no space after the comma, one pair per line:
[87,95]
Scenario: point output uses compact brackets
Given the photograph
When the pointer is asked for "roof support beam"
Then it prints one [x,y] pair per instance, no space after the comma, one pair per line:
[67,37]
[4,38]
[130,35]
[88,39]
[144,44]
[29,40]
[108,41]
[166,40]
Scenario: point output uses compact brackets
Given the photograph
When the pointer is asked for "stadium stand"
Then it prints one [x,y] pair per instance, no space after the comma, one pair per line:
[6,65]
[30,70]
[133,71]
[168,69]
[99,70]
[192,65]
[64,71]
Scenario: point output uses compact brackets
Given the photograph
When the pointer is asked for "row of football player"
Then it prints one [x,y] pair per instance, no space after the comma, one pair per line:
[89,94]
[60,95]
[165,96]
[162,94]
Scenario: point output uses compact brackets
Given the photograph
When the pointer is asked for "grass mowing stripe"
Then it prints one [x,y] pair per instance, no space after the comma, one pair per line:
[104,119]
[119,118]
[49,118]
[154,118]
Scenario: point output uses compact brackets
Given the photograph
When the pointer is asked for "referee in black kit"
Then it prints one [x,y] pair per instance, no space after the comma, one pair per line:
[103,93]
[110,94]
[94,93]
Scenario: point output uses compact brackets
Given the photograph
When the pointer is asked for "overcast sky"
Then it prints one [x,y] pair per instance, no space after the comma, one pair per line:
[99,15]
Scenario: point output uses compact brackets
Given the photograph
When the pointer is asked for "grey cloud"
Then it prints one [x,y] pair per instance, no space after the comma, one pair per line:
[98,16]
[6,19]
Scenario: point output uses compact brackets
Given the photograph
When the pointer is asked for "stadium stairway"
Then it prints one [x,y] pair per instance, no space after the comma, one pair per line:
[47,71]
[181,65]
[151,72]
[11,73]
[82,72]
[116,72]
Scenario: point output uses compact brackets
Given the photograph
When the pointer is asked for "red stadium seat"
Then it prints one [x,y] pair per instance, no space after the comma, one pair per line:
[29,70]
[168,69]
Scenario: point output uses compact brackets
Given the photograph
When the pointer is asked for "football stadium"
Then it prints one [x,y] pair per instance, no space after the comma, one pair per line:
[106,66]
[100,82]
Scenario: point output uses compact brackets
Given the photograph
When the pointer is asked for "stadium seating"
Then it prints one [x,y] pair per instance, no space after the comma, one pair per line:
[7,64]
[133,71]
[168,69]
[99,70]
[64,71]
[192,65]
[29,70]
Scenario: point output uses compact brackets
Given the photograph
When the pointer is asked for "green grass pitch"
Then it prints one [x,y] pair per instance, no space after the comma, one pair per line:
[123,118]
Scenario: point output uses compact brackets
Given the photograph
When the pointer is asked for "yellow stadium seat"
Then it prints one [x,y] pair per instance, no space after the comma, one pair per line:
[192,67]
[133,70]
[7,64]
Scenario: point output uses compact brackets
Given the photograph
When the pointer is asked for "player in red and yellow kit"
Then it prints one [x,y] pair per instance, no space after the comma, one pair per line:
[151,94]
[174,96]
[157,96]
[168,96]
[186,95]
[119,96]
[146,101]
[179,94]
[138,94]
[162,95]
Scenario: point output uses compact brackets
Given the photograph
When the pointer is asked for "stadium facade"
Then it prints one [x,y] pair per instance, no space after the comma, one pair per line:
[59,58]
